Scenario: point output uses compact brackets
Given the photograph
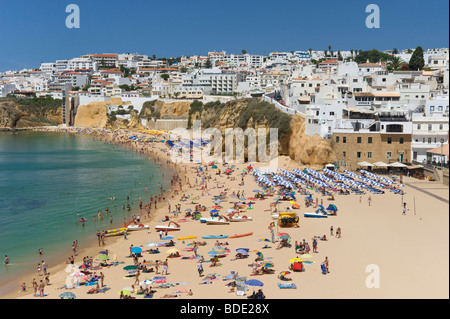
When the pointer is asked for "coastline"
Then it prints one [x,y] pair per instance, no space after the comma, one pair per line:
[90,247]
[374,234]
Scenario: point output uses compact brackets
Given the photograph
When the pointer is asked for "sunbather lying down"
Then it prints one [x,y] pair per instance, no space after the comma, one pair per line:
[170,296]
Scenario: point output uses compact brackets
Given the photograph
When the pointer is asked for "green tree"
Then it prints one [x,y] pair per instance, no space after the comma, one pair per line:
[208,64]
[394,63]
[417,62]
[244,51]
[165,76]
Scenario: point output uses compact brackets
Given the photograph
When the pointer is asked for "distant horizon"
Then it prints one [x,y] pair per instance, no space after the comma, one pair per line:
[36,32]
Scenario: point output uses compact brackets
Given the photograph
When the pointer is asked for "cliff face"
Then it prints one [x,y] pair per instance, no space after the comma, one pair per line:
[29,113]
[93,115]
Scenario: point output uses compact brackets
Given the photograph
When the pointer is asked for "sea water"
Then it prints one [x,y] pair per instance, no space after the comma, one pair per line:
[49,180]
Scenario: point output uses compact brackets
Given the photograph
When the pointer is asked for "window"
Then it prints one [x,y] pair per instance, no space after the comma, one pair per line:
[358,154]
[331,113]
[359,140]
[389,155]
[430,127]
[344,139]
[415,156]
[441,127]
[337,139]
[355,80]
[369,154]
[401,140]
[343,154]
[369,140]
[440,108]
[389,140]
[418,126]
[429,140]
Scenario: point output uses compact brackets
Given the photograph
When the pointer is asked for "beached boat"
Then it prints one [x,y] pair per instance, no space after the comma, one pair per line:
[109,231]
[241,235]
[215,236]
[138,227]
[116,233]
[172,226]
[219,220]
[316,214]
[235,217]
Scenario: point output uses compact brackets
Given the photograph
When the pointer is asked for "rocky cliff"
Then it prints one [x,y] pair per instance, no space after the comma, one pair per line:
[23,113]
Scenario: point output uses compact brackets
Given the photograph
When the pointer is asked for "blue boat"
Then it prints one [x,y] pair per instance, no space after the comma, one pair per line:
[215,236]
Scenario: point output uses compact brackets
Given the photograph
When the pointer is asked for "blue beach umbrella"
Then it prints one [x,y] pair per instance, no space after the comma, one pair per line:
[213,211]
[136,250]
[254,283]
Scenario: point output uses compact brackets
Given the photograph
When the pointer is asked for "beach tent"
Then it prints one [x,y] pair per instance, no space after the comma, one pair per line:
[381,164]
[365,164]
[398,164]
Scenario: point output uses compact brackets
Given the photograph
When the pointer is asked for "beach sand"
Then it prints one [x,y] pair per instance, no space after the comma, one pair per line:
[410,253]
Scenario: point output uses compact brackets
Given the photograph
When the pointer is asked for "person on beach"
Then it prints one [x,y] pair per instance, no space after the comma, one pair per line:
[404,209]
[369,200]
[331,230]
[315,245]
[200,268]
[326,263]
[41,288]
[6,260]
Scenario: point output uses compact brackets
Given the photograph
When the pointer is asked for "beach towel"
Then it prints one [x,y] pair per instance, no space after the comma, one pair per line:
[286,285]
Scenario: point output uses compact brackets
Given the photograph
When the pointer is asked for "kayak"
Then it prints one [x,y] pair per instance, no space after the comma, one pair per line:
[187,237]
[241,235]
[215,236]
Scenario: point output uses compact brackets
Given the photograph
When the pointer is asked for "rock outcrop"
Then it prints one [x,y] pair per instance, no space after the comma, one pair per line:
[23,113]
[92,115]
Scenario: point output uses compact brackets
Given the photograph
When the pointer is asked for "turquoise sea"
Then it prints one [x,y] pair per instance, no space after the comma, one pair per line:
[49,180]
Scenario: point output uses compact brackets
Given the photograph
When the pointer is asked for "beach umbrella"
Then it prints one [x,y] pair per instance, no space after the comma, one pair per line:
[103,252]
[130,267]
[102,257]
[125,292]
[256,191]
[219,249]
[295,260]
[267,265]
[172,251]
[213,253]
[284,273]
[254,283]
[266,239]
[251,198]
[242,251]
[213,211]
[332,207]
[136,250]
[214,166]
[167,238]
[83,266]
[67,295]
[188,210]
[259,254]
[76,274]
[285,236]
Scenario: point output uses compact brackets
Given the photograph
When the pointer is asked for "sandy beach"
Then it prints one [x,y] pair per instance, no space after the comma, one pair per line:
[409,252]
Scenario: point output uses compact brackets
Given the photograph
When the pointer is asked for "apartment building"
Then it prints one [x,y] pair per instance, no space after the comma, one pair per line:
[372,137]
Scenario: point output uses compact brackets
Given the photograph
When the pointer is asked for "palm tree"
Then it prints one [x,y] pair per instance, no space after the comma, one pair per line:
[395,62]
[329,47]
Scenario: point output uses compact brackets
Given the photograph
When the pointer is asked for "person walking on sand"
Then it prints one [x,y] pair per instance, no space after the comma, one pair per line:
[314,245]
[369,201]
[331,230]
[404,209]
[326,263]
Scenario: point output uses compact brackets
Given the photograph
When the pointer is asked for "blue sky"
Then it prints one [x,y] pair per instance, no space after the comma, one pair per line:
[35,31]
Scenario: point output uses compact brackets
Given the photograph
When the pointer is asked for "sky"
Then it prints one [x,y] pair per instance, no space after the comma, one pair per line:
[35,31]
